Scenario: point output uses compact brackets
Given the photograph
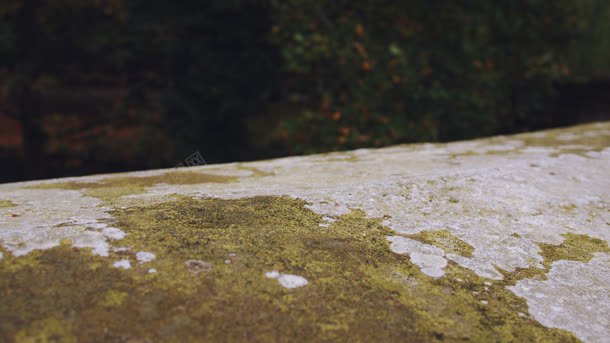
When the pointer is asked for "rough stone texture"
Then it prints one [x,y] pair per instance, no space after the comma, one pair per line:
[504,238]
[573,289]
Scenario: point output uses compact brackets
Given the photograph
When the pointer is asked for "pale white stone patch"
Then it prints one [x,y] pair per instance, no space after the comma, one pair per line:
[432,271]
[47,216]
[91,239]
[575,297]
[427,260]
[144,256]
[287,280]
[427,257]
[292,281]
[125,264]
[96,225]
[274,274]
[113,233]
[152,270]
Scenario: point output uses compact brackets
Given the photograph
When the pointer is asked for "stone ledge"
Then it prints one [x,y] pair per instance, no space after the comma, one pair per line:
[503,238]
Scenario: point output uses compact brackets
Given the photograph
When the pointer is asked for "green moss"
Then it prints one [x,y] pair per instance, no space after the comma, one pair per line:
[113,297]
[255,171]
[479,153]
[7,203]
[112,188]
[574,248]
[444,240]
[582,142]
[358,289]
[48,330]
[339,157]
[582,136]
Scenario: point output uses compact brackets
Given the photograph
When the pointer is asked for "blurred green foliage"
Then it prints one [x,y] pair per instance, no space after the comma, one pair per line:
[384,72]
[589,52]
[103,85]
[220,69]
[153,81]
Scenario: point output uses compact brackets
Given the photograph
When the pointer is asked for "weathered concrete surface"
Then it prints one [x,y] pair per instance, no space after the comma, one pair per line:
[503,239]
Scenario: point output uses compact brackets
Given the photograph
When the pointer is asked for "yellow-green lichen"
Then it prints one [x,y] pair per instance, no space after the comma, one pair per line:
[255,171]
[7,203]
[48,330]
[578,135]
[580,140]
[112,188]
[445,240]
[113,297]
[339,157]
[574,247]
[359,290]
[576,140]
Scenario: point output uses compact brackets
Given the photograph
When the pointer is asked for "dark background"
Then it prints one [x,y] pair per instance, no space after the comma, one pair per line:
[92,86]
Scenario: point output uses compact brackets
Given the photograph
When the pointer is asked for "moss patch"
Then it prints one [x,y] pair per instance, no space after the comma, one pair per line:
[445,240]
[579,135]
[7,203]
[579,143]
[112,188]
[358,289]
[255,171]
[574,248]
[339,157]
[113,298]
[46,330]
